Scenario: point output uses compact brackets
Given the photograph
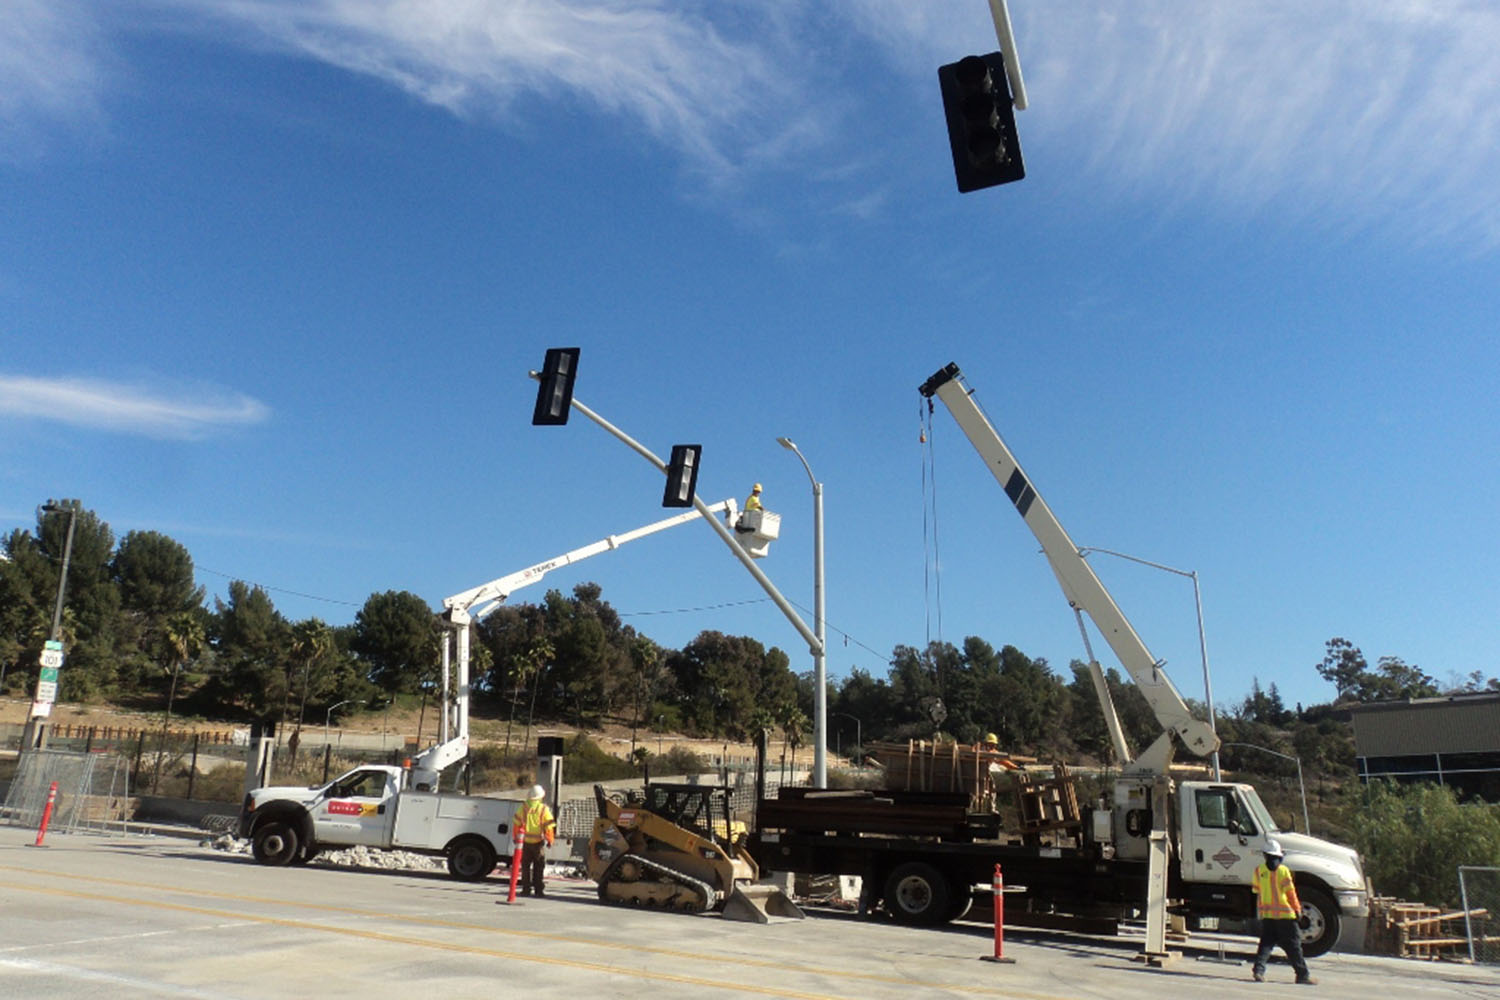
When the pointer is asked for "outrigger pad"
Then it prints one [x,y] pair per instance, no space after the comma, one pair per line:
[760,904]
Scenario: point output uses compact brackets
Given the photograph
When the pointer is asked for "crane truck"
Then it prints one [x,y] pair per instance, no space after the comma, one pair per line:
[1158,846]
[403,808]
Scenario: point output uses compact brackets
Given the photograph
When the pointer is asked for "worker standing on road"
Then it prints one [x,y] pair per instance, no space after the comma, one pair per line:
[1279,910]
[753,501]
[535,830]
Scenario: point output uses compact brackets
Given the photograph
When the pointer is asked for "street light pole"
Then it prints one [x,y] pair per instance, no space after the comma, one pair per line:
[1208,686]
[328,715]
[858,735]
[820,653]
[1306,823]
[35,736]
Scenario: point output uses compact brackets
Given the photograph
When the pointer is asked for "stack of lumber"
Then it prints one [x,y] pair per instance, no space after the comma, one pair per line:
[1417,930]
[944,766]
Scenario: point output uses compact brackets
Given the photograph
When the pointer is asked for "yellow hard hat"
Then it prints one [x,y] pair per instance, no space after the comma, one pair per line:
[755,488]
[991,738]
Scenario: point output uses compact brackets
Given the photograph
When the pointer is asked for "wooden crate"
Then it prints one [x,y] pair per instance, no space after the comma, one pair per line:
[1047,803]
[944,766]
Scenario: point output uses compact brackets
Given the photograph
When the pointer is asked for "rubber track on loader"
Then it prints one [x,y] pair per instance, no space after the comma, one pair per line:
[703,889]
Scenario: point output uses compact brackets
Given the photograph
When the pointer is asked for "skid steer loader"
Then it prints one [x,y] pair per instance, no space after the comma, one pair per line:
[677,847]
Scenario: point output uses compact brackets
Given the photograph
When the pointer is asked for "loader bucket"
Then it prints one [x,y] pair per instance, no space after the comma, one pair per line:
[760,904]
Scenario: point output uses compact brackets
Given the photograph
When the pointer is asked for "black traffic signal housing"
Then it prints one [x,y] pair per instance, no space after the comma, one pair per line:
[682,475]
[554,396]
[981,122]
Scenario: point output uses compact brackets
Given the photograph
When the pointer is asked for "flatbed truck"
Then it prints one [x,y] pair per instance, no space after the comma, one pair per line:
[1158,847]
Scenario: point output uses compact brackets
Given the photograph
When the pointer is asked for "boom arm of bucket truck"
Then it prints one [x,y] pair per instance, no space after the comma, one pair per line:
[1082,588]
[462,609]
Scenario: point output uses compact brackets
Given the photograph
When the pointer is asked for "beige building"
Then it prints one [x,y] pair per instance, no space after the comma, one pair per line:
[1453,740]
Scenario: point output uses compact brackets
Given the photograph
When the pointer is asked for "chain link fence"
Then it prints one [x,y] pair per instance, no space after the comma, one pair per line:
[1479,888]
[92,790]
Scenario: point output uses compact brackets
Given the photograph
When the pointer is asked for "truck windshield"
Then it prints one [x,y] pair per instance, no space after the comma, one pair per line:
[1257,809]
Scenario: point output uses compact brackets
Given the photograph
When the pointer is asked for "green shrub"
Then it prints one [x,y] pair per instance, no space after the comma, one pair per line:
[679,760]
[585,761]
[1412,839]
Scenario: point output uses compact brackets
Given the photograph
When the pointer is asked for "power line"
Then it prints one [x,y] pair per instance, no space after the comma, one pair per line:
[280,590]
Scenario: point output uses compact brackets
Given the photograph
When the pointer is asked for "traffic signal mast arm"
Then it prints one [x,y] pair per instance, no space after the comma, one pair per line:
[1082,588]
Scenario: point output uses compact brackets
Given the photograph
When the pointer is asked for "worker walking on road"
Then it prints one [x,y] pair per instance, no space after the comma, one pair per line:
[1279,910]
[534,830]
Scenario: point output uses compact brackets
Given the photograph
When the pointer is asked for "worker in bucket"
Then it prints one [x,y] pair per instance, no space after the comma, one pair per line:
[1280,911]
[535,830]
[752,502]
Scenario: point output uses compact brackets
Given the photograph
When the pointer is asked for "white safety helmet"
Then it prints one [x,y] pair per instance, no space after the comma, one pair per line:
[537,792]
[1273,849]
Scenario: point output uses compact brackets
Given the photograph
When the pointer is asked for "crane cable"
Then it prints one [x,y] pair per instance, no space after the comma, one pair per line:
[932,584]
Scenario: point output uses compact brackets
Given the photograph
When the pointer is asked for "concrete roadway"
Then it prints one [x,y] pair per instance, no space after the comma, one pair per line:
[145,917]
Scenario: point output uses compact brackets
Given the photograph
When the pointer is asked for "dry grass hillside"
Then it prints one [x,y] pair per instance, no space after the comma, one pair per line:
[400,722]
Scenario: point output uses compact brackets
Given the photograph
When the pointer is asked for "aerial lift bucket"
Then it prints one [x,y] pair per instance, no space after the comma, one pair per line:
[760,904]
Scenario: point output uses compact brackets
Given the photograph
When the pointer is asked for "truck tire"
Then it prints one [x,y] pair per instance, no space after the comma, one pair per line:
[470,859]
[1321,917]
[917,893]
[274,843]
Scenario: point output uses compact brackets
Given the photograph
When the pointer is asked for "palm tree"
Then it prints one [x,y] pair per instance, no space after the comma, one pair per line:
[312,639]
[185,639]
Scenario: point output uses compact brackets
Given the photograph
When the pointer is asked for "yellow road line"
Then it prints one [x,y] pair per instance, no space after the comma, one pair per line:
[490,929]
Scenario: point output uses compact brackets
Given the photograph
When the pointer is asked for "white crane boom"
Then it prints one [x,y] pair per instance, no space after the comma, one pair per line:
[459,612]
[1082,588]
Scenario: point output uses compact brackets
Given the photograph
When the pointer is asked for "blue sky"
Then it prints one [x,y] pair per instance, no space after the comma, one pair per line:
[272,273]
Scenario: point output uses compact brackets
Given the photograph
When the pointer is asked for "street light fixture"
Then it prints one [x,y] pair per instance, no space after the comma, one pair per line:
[1208,687]
[328,715]
[820,654]
[858,734]
[1306,823]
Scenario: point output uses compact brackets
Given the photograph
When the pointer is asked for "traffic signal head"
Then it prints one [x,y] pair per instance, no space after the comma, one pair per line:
[981,122]
[682,475]
[554,396]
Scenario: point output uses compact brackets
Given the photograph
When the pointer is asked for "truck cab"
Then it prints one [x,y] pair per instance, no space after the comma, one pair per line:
[1224,826]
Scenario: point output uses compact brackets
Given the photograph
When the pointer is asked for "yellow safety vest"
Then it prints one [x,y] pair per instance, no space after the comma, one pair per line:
[1275,893]
[533,819]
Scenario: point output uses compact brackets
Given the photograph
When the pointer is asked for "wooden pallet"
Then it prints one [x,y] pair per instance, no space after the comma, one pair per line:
[1418,930]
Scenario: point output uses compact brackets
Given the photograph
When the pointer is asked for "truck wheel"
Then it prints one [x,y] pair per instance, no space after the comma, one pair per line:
[1322,919]
[917,893]
[275,843]
[471,859]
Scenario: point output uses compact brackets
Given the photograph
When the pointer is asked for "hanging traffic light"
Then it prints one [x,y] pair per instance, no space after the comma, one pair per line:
[554,396]
[682,475]
[981,122]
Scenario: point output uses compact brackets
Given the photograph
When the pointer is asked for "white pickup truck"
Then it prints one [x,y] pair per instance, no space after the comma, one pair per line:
[370,805]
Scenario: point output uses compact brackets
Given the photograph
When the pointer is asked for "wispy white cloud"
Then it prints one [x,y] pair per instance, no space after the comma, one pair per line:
[1355,114]
[687,74]
[52,72]
[1362,113]
[182,412]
